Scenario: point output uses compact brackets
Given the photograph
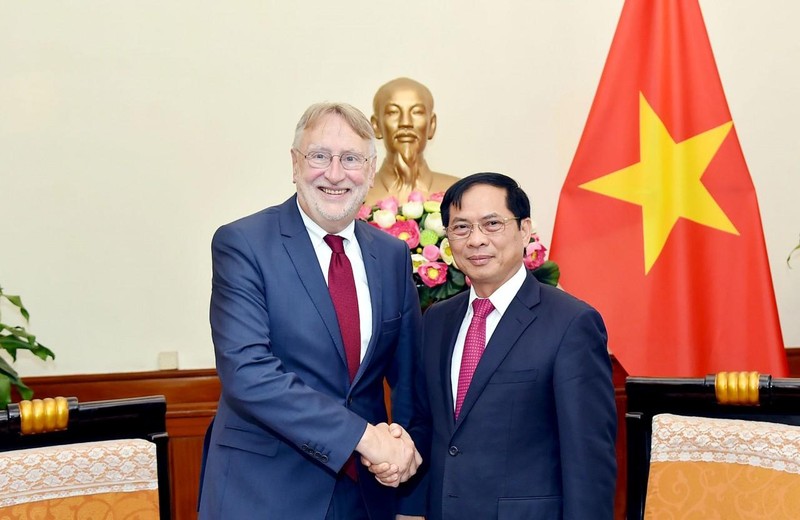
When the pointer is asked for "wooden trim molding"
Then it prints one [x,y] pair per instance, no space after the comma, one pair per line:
[192,397]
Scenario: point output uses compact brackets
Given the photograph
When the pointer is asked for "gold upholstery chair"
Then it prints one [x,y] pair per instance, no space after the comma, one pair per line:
[65,460]
[724,446]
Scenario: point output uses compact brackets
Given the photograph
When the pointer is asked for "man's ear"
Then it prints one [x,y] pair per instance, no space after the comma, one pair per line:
[432,127]
[376,127]
[525,229]
[295,166]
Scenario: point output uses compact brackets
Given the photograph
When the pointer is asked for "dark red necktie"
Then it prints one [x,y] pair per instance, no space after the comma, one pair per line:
[474,345]
[342,287]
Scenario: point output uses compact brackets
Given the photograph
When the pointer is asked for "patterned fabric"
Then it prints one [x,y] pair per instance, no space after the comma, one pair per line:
[342,287]
[474,345]
[136,505]
[77,469]
[723,468]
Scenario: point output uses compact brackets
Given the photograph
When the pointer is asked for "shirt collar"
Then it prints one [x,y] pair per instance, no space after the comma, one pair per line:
[317,234]
[502,297]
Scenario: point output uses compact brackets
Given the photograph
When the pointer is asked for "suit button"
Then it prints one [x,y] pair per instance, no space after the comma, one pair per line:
[324,459]
[453,451]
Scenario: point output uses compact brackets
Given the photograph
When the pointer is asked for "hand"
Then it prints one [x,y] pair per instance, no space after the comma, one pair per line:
[388,474]
[399,432]
[389,451]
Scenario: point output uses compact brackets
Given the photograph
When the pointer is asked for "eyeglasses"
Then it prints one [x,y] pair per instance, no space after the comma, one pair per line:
[322,159]
[490,226]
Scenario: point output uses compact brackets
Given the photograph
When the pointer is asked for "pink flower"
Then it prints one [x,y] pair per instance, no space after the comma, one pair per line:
[438,196]
[364,212]
[389,204]
[406,230]
[433,273]
[534,254]
[431,253]
[416,196]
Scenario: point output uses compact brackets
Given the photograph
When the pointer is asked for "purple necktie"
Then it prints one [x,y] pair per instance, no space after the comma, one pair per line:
[342,287]
[474,344]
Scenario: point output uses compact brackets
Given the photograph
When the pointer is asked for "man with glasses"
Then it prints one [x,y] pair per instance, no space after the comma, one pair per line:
[520,401]
[310,312]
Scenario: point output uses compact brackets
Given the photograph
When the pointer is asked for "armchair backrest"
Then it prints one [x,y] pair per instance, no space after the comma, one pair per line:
[121,444]
[724,399]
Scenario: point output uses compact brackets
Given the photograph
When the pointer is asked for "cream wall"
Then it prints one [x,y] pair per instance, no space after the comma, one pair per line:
[130,130]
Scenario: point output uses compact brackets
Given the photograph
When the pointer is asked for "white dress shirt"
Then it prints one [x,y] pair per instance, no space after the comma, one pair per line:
[501,299]
[353,252]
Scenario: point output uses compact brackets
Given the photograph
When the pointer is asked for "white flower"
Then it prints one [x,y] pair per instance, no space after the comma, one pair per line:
[434,223]
[416,261]
[384,218]
[412,210]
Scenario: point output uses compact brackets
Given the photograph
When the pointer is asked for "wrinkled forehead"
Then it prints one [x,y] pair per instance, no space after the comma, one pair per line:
[330,130]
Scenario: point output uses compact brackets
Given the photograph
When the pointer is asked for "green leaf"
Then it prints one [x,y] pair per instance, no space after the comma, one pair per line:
[547,273]
[789,258]
[11,344]
[458,277]
[9,376]
[18,332]
[17,302]
[24,391]
[7,370]
[5,391]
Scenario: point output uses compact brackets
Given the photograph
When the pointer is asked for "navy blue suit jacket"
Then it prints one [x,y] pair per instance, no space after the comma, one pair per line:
[535,436]
[288,417]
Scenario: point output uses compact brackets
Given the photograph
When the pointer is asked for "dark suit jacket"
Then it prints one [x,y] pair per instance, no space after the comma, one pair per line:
[535,437]
[288,417]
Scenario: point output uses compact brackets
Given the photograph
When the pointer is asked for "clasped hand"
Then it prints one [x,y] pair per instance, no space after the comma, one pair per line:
[389,453]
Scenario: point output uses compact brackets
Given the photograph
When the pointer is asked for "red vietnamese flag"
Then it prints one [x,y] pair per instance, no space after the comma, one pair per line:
[657,224]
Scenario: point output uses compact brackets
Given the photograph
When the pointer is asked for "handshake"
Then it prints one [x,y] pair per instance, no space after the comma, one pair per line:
[389,453]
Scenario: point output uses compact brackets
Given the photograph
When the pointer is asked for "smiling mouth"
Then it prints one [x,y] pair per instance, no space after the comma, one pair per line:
[331,191]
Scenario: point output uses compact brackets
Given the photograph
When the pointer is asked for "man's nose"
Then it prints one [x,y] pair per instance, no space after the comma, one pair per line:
[477,238]
[335,172]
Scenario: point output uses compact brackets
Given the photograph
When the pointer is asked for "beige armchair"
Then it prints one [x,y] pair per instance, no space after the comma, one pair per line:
[64,460]
[724,446]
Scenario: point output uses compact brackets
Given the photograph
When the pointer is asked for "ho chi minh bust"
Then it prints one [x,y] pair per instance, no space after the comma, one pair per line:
[404,118]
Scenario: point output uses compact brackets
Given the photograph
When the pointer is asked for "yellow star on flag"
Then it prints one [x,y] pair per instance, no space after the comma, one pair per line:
[666,181]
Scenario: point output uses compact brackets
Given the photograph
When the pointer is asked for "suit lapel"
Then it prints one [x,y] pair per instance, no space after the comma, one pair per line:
[519,315]
[372,267]
[301,252]
[451,323]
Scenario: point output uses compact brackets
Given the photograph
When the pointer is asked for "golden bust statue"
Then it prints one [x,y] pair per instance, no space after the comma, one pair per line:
[404,118]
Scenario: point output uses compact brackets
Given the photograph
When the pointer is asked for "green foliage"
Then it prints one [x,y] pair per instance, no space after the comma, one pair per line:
[791,253]
[12,339]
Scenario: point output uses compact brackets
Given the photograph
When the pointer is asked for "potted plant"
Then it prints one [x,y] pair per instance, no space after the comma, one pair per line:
[12,339]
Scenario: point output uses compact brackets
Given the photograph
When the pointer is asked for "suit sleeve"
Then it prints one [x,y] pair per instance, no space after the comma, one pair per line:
[587,419]
[255,383]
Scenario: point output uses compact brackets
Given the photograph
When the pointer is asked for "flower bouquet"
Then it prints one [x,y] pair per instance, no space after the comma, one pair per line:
[418,222]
